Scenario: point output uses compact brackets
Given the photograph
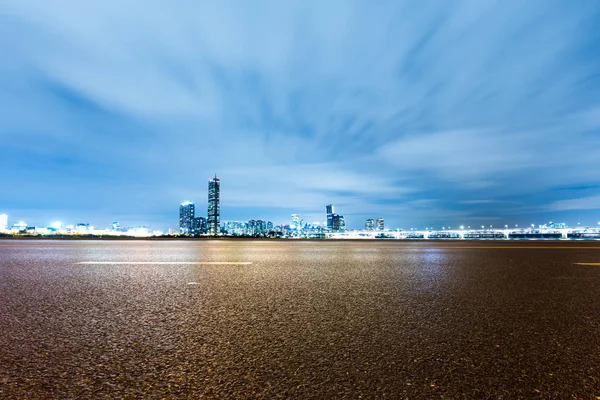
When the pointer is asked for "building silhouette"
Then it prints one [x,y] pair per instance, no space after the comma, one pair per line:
[338,224]
[214,206]
[186,218]
[380,224]
[370,224]
[329,211]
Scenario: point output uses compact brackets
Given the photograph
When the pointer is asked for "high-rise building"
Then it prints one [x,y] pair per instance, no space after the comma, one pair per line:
[338,224]
[214,206]
[3,222]
[269,226]
[296,222]
[379,223]
[199,226]
[335,222]
[186,218]
[250,227]
[329,210]
[370,224]
[261,227]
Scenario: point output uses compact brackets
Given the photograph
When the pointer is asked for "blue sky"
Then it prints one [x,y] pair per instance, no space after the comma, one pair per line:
[424,113]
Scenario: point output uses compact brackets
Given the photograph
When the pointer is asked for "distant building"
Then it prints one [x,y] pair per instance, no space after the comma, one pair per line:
[370,224]
[338,224]
[235,228]
[3,222]
[214,206]
[19,226]
[250,227]
[260,227]
[329,210]
[296,224]
[186,218]
[116,226]
[82,228]
[269,226]
[199,227]
[380,225]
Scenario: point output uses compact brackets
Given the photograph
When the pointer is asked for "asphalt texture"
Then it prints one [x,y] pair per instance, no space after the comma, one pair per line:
[304,320]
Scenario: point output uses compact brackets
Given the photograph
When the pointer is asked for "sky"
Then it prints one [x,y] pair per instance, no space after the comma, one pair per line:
[426,113]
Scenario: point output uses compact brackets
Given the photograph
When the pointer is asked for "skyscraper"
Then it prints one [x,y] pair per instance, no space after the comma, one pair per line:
[329,210]
[370,224]
[379,223]
[3,222]
[186,218]
[214,206]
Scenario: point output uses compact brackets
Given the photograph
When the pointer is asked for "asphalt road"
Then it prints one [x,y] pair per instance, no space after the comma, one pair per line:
[299,319]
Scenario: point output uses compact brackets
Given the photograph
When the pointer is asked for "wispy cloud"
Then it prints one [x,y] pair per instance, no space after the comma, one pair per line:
[482,201]
[583,203]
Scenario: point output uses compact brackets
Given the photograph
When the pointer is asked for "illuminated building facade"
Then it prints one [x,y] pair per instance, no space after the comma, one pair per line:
[186,218]
[329,210]
[261,227]
[200,226]
[214,206]
[338,224]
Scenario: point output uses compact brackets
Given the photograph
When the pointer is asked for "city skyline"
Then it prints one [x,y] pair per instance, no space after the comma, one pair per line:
[190,224]
[465,113]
